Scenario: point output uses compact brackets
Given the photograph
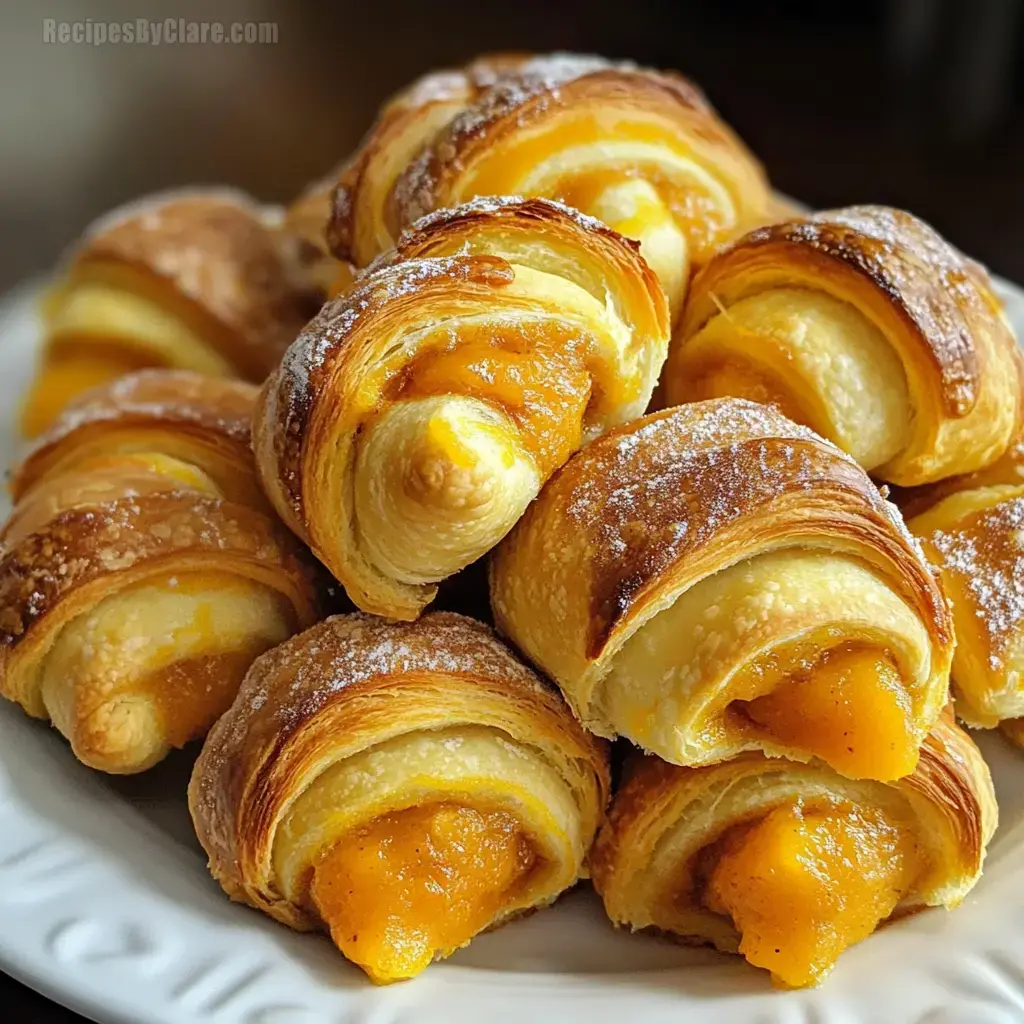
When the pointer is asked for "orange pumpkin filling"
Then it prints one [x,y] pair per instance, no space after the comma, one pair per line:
[502,169]
[850,709]
[801,885]
[538,377]
[417,884]
[64,376]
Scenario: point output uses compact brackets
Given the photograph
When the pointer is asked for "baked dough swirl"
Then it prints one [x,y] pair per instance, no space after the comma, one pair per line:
[865,325]
[714,579]
[141,572]
[204,281]
[789,864]
[402,786]
[641,150]
[972,529]
[413,420]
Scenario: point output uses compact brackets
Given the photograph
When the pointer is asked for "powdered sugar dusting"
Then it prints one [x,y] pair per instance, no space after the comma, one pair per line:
[499,205]
[158,397]
[987,555]
[298,678]
[149,209]
[380,284]
[650,495]
[537,79]
[936,285]
[436,87]
[706,448]
[85,543]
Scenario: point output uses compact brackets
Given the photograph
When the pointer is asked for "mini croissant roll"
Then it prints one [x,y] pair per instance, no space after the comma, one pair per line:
[305,219]
[198,281]
[972,529]
[136,582]
[641,150]
[402,786]
[154,430]
[865,325]
[714,579]
[790,864]
[414,420]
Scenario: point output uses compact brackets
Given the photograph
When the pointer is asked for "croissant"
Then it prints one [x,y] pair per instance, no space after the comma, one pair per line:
[136,583]
[305,219]
[403,786]
[971,529]
[865,325]
[714,579]
[641,150]
[203,281]
[790,864]
[413,421]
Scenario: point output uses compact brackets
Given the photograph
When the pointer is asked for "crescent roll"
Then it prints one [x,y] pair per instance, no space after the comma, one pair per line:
[153,430]
[972,529]
[641,150]
[401,786]
[198,281]
[413,420]
[714,579]
[136,582]
[790,864]
[305,219]
[865,325]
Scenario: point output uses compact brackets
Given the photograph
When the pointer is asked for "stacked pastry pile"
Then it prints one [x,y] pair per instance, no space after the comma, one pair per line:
[720,582]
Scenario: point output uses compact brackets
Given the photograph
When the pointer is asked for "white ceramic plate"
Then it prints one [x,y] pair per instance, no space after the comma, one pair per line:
[106,906]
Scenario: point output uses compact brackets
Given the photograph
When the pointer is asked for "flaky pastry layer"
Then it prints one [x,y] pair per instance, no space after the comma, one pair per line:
[639,149]
[866,325]
[699,558]
[358,720]
[666,830]
[416,417]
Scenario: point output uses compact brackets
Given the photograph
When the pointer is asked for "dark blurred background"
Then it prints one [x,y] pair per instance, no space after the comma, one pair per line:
[915,103]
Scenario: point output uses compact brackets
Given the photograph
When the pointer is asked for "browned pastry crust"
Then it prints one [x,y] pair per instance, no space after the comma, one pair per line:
[172,410]
[52,575]
[406,122]
[427,150]
[1006,471]
[654,509]
[141,570]
[346,685]
[306,219]
[543,279]
[948,802]
[725,505]
[970,526]
[238,275]
[934,307]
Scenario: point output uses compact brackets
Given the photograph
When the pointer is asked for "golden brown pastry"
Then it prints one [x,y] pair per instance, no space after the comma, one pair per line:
[199,281]
[641,150]
[162,428]
[137,580]
[865,325]
[790,864]
[972,529]
[414,420]
[714,579]
[305,219]
[402,786]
